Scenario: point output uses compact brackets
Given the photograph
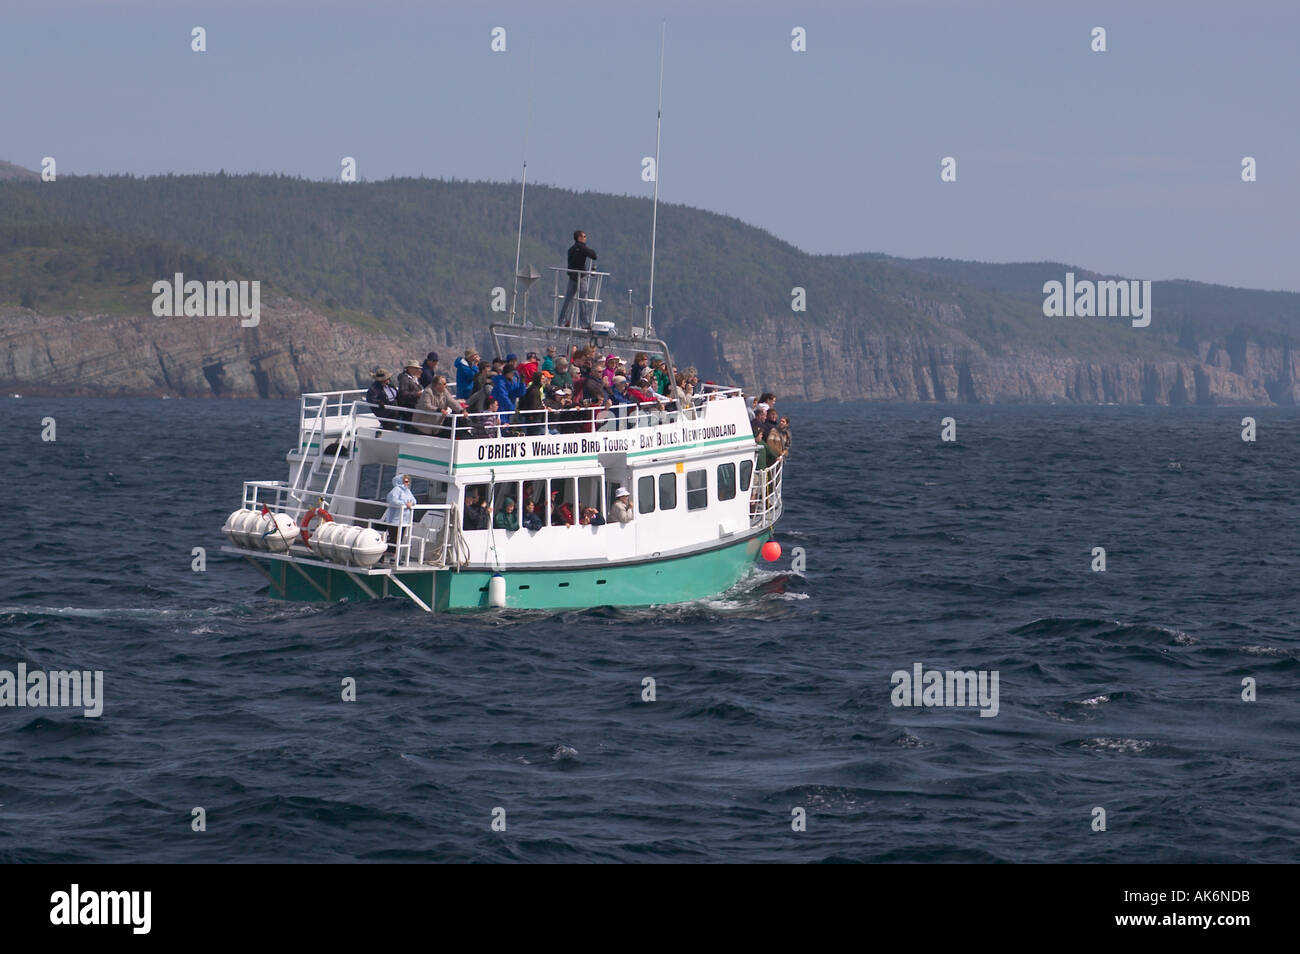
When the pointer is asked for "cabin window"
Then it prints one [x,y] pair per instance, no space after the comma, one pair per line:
[534,490]
[368,484]
[435,491]
[589,494]
[726,481]
[476,515]
[645,494]
[746,473]
[562,502]
[697,489]
[667,491]
[503,491]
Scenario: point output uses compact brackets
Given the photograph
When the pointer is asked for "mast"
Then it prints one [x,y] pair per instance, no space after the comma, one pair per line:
[519,237]
[654,218]
[523,185]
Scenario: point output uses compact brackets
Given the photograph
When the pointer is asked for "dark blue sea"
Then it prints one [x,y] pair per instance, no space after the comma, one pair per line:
[1120,690]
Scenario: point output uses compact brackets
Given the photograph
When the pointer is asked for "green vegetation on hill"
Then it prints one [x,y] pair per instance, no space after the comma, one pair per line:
[404,253]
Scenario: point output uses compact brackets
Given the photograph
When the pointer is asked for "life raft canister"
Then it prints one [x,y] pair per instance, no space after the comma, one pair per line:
[313,514]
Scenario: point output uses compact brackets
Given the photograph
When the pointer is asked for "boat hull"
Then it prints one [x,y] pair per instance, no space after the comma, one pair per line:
[652,582]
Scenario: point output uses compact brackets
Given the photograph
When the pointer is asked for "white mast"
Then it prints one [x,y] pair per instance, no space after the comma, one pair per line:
[523,184]
[519,237]
[654,218]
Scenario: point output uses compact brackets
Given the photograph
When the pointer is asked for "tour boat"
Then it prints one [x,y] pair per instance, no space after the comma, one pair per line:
[702,507]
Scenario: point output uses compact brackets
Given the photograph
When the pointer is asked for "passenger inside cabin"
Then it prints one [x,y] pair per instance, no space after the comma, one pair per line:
[622,507]
[591,517]
[507,518]
[532,519]
[561,512]
[477,516]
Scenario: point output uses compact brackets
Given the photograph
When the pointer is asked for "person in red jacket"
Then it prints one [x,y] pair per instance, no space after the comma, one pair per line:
[561,513]
[529,367]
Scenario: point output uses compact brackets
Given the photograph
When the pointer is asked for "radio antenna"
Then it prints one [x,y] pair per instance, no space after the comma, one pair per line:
[654,217]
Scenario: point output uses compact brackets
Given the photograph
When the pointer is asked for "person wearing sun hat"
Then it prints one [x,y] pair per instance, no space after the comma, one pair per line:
[380,395]
[408,391]
[622,506]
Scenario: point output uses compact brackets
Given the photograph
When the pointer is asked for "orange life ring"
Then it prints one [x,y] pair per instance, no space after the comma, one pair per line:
[310,515]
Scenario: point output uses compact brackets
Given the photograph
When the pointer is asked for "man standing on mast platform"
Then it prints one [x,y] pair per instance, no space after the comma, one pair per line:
[579,252]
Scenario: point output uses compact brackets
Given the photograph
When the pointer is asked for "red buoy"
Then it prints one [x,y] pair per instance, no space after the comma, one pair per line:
[771,551]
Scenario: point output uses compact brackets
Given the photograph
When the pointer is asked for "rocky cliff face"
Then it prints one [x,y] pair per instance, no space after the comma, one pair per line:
[294,349]
[837,362]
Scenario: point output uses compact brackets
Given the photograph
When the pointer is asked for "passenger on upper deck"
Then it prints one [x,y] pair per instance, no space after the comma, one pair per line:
[486,424]
[681,395]
[563,377]
[433,408]
[408,391]
[529,367]
[532,407]
[381,395]
[548,362]
[610,371]
[466,371]
[429,370]
[663,384]
[503,386]
[778,438]
[640,367]
[579,252]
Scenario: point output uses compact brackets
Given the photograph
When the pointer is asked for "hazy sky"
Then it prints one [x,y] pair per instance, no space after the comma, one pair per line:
[1127,161]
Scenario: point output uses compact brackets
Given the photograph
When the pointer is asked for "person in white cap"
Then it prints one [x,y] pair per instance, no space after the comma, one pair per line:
[622,509]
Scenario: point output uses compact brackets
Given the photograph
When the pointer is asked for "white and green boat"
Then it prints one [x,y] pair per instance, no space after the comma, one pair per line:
[702,507]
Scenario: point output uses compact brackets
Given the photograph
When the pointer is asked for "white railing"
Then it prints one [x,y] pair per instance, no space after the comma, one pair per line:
[765,495]
[577,419]
[586,299]
[328,403]
[420,542]
[305,442]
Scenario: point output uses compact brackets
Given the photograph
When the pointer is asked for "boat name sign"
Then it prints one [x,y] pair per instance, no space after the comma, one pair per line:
[602,444]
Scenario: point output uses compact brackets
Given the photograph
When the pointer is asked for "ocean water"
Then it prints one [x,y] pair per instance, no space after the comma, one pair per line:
[1119,690]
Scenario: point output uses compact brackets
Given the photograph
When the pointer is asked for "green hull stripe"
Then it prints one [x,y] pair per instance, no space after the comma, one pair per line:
[593,457]
[423,460]
[690,577]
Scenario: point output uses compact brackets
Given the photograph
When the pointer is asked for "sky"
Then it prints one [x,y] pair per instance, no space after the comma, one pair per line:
[1127,161]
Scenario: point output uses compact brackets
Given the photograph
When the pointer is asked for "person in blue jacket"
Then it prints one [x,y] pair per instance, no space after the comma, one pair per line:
[466,370]
[401,506]
[503,389]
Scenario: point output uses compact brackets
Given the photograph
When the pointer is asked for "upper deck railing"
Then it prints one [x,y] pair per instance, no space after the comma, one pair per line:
[491,424]
[577,296]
